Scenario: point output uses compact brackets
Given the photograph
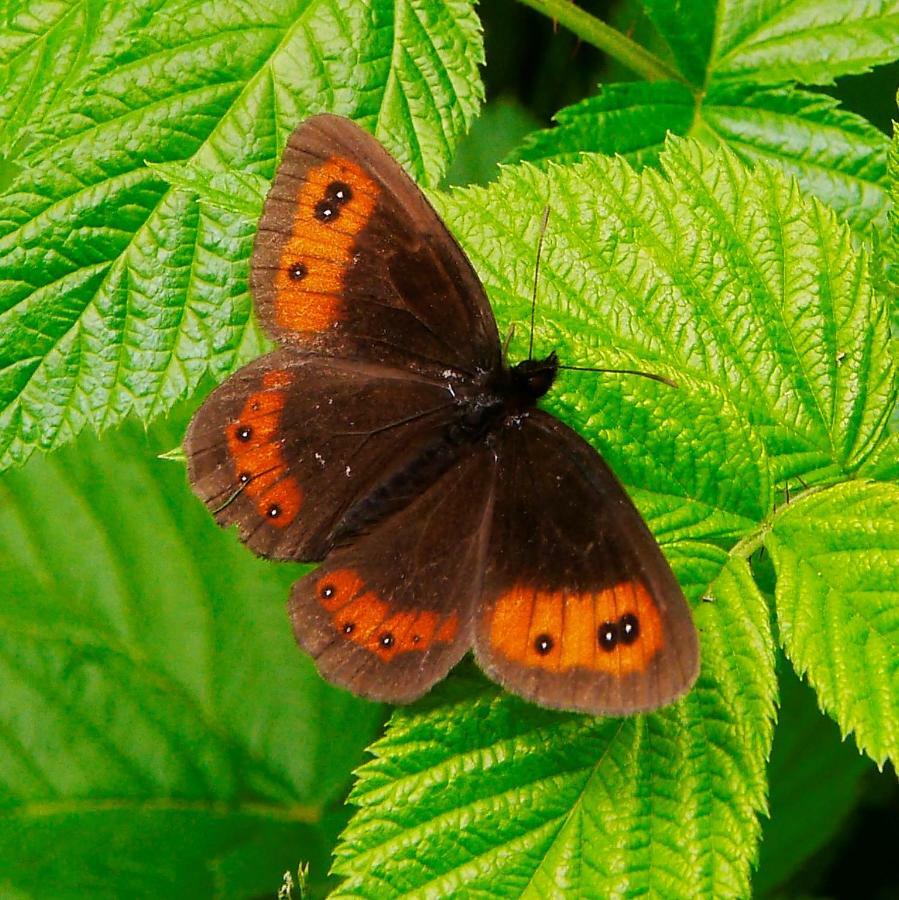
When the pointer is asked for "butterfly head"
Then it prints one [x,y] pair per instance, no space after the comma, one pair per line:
[532,378]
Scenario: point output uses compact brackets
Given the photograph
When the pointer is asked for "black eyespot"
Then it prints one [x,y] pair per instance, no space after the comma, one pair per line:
[628,628]
[244,477]
[416,638]
[386,640]
[244,433]
[297,271]
[339,191]
[543,643]
[348,628]
[328,591]
[607,635]
[326,210]
[274,511]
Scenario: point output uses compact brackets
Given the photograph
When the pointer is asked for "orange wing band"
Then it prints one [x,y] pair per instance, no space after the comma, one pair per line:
[257,453]
[334,204]
[366,619]
[617,630]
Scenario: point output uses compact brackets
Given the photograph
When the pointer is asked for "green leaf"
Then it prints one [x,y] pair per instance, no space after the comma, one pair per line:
[119,293]
[594,309]
[813,41]
[477,792]
[239,192]
[741,62]
[836,156]
[836,553]
[43,37]
[815,780]
[689,30]
[631,119]
[883,464]
[771,41]
[891,243]
[728,281]
[160,733]
[724,280]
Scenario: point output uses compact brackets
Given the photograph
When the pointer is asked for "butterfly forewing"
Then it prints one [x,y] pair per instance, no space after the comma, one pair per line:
[580,610]
[298,451]
[350,259]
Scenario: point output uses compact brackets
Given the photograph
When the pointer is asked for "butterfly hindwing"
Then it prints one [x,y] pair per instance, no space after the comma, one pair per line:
[390,613]
[350,259]
[580,610]
[298,450]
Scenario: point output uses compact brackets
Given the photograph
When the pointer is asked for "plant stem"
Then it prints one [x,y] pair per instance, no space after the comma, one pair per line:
[751,542]
[590,29]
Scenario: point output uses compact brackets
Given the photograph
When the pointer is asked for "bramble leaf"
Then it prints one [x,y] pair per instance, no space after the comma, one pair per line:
[156,717]
[239,192]
[734,285]
[891,243]
[137,145]
[771,41]
[836,553]
[119,293]
[812,41]
[741,63]
[724,279]
[835,155]
[631,119]
[477,792]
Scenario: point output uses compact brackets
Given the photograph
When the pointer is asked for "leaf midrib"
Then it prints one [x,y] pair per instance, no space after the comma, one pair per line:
[576,804]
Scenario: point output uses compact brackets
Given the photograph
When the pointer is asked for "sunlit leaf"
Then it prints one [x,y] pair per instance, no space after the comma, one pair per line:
[836,554]
[118,292]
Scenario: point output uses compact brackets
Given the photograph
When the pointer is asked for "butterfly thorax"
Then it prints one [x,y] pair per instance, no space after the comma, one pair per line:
[522,385]
[530,379]
[509,392]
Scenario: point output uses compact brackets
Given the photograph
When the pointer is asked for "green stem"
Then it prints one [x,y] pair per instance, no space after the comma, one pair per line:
[590,29]
[751,542]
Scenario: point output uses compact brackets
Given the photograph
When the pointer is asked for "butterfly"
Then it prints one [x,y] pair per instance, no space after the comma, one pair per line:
[388,439]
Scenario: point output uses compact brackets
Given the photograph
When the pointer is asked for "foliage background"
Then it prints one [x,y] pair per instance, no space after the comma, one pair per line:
[159,732]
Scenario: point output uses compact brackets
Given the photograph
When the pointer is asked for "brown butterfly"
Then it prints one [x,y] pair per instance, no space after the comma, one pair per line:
[388,438]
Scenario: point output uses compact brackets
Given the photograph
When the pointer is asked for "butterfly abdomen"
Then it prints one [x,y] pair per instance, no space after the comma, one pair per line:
[473,420]
[397,489]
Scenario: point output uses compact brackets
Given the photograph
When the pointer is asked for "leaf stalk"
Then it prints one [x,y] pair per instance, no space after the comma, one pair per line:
[595,32]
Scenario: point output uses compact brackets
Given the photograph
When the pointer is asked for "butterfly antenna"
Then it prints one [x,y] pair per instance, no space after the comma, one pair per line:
[649,375]
[536,277]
